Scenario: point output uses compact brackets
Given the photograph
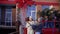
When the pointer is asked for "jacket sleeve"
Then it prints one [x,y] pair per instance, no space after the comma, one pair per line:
[27,25]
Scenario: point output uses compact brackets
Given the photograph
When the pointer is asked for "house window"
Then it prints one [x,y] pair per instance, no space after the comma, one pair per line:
[31,11]
[44,7]
[0,16]
[8,17]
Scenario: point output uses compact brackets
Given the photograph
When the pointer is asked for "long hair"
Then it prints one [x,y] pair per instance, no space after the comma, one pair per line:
[27,19]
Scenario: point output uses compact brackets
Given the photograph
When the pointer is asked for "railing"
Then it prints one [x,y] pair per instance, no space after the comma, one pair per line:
[53,30]
[14,32]
[8,23]
[12,25]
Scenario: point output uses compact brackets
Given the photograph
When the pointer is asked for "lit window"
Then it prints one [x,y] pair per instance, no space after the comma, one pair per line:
[8,16]
[32,11]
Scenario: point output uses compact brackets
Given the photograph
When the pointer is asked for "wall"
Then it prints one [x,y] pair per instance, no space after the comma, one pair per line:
[39,7]
[13,15]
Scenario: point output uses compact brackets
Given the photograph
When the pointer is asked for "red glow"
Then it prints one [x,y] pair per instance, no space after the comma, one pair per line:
[7,2]
[30,2]
[27,2]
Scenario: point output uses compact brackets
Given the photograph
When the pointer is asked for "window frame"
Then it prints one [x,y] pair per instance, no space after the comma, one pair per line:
[8,10]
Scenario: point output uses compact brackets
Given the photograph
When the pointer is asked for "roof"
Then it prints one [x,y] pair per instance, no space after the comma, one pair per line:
[7,2]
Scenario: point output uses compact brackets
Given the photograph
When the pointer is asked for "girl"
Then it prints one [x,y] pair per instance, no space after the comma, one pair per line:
[29,27]
[39,27]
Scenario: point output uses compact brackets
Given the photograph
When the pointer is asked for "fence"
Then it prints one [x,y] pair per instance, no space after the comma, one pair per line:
[48,30]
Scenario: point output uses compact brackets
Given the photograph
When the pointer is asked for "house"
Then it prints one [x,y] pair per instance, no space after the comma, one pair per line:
[8,21]
[10,13]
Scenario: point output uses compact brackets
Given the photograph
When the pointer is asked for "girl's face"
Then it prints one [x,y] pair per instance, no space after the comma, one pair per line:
[38,20]
[30,19]
[46,16]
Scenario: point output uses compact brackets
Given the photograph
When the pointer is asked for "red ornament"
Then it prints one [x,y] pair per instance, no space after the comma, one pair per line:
[30,2]
[24,2]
